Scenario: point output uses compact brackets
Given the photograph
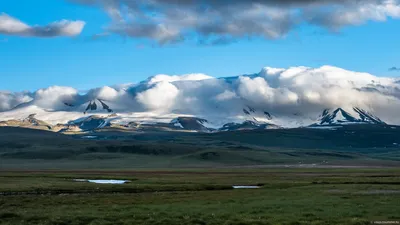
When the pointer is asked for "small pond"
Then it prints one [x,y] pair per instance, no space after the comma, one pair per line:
[103,181]
[245,187]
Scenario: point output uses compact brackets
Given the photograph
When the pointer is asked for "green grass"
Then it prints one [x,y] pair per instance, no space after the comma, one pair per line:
[198,196]
[197,171]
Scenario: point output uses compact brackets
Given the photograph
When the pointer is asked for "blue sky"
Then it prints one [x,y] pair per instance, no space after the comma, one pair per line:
[29,61]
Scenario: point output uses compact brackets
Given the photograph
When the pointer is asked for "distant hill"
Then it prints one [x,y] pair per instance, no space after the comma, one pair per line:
[351,145]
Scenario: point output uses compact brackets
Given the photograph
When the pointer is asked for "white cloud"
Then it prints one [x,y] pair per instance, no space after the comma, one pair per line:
[168,78]
[53,98]
[255,90]
[213,22]
[12,26]
[356,14]
[9,100]
[104,93]
[160,96]
[226,95]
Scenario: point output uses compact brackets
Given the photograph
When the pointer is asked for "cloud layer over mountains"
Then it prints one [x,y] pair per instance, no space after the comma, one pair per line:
[299,91]
[215,22]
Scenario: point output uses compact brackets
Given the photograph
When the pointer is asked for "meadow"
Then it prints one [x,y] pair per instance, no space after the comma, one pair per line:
[306,176]
[201,196]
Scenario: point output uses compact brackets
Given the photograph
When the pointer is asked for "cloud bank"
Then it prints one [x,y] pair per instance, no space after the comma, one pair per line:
[302,92]
[223,21]
[9,100]
[12,26]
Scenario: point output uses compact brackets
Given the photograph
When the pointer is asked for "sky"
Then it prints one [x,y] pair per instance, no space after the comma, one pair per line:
[92,43]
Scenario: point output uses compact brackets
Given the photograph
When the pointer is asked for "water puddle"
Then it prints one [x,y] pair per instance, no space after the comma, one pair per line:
[89,137]
[245,187]
[103,181]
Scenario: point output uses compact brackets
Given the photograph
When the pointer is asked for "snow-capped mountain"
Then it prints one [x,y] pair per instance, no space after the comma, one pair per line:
[354,116]
[273,98]
[188,123]
[92,106]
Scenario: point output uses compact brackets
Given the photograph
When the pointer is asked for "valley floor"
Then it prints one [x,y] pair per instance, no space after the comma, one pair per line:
[305,176]
[200,196]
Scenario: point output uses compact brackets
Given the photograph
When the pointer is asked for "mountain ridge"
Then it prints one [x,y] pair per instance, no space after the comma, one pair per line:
[340,116]
[191,123]
[273,98]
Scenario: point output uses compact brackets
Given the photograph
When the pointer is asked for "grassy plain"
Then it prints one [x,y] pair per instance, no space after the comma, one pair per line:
[201,196]
[306,176]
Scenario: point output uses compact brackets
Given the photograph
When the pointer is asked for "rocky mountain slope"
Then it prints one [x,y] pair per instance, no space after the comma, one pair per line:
[354,116]
[86,123]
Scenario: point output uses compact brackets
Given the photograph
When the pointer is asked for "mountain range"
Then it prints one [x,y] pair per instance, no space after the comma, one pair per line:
[271,99]
[328,118]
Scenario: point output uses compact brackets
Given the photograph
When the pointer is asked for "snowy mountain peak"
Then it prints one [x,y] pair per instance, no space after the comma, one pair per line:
[354,115]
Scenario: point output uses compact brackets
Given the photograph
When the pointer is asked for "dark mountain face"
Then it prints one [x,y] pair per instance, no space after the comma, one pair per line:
[268,115]
[246,112]
[105,106]
[92,106]
[340,116]
[91,123]
[250,111]
[367,117]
